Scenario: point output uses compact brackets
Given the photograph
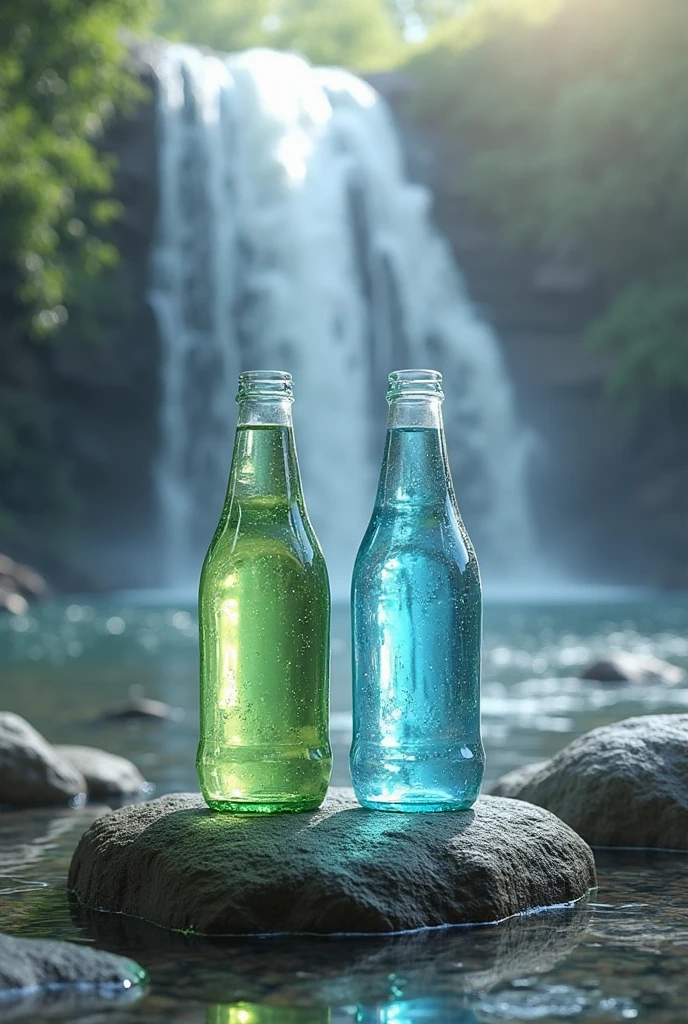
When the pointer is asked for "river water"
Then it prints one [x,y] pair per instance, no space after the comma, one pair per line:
[620,958]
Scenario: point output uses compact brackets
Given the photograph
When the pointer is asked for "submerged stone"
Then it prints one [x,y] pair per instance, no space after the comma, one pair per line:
[339,869]
[620,785]
[32,772]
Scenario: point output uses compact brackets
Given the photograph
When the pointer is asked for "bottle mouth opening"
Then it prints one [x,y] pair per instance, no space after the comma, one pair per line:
[415,384]
[275,384]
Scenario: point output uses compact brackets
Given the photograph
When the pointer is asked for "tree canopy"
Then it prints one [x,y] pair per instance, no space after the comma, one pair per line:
[360,34]
[573,113]
[62,76]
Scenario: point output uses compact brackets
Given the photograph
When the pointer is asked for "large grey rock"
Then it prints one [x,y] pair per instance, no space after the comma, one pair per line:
[107,775]
[627,667]
[35,970]
[620,785]
[342,868]
[31,771]
[512,783]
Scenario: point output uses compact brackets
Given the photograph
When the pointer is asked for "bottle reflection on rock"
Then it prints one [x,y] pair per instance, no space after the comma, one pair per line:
[264,624]
[416,622]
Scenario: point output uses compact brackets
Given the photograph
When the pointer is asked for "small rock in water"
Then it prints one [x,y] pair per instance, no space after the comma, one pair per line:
[140,708]
[33,970]
[339,869]
[107,775]
[17,582]
[625,667]
[31,771]
[620,785]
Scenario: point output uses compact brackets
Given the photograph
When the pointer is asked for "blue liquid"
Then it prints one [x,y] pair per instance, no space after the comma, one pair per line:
[417,630]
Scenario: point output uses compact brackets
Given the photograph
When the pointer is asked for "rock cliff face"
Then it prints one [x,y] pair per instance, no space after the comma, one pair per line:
[610,498]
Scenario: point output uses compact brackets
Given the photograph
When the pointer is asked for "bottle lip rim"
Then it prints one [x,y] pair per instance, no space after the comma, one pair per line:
[415,383]
[275,384]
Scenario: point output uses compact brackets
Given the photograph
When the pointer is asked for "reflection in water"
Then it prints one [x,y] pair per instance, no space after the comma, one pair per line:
[417,1011]
[69,1005]
[414,1011]
[439,975]
[28,835]
[254,1013]
[407,1012]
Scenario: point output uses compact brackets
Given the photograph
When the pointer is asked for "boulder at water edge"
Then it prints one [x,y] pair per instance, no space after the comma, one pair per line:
[175,863]
[620,785]
[31,771]
[33,969]
[107,775]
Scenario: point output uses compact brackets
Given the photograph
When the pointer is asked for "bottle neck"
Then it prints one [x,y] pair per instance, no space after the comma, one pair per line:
[419,412]
[265,412]
[415,470]
[264,463]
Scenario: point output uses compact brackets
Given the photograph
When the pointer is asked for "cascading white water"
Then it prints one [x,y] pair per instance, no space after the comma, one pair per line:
[289,238]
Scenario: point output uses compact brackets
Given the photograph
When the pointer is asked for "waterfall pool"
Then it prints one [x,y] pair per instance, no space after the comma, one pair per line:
[621,958]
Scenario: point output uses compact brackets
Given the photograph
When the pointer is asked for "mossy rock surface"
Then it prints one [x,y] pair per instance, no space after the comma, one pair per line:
[339,869]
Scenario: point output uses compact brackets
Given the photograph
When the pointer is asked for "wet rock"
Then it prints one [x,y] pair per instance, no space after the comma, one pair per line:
[620,785]
[174,863]
[38,970]
[31,771]
[513,782]
[107,775]
[140,708]
[626,667]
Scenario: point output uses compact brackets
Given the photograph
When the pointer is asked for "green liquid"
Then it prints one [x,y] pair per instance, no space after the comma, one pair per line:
[264,619]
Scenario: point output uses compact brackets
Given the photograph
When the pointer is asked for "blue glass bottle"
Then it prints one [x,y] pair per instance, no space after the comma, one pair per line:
[416,622]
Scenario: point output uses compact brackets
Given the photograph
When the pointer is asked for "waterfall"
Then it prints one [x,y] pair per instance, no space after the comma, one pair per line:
[289,238]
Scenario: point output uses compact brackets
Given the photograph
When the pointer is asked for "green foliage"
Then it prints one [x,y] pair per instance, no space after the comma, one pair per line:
[359,34]
[418,16]
[574,112]
[62,76]
[647,325]
[216,23]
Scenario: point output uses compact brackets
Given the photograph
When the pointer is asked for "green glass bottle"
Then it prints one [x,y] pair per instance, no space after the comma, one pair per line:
[264,624]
